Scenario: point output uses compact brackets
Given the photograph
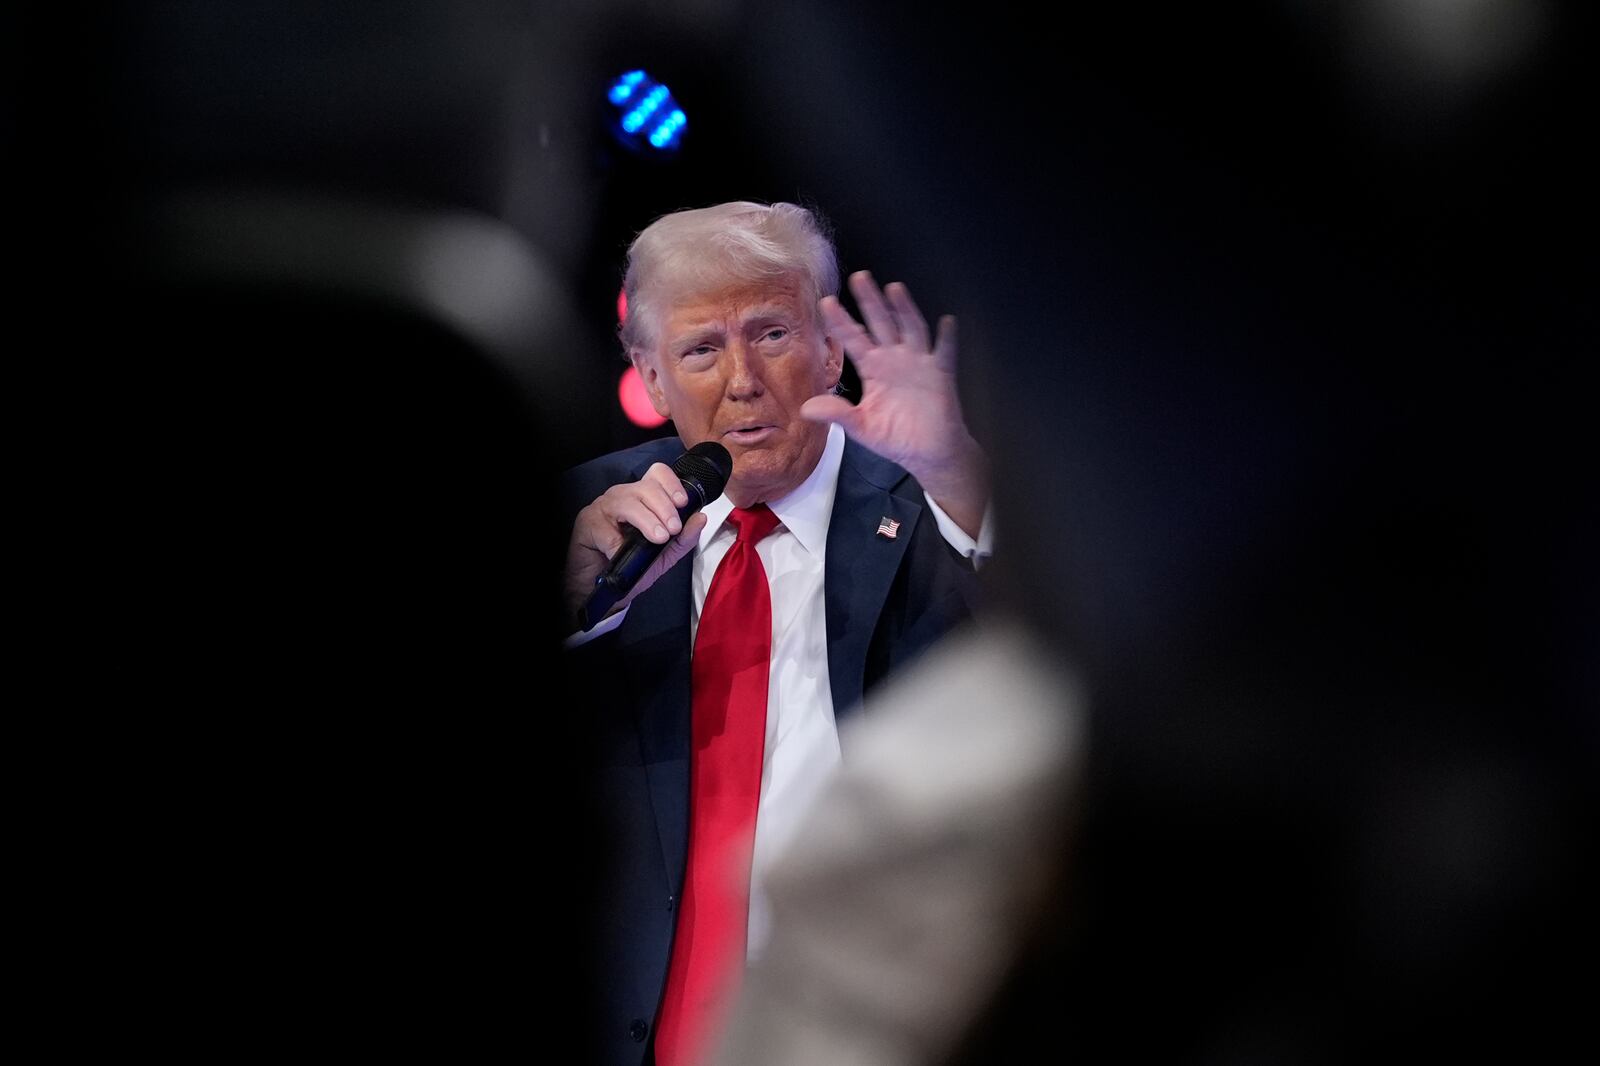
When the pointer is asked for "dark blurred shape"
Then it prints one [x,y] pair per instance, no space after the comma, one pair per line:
[320,361]
[1273,318]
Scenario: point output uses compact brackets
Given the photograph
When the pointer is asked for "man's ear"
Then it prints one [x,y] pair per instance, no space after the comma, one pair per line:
[652,380]
[833,365]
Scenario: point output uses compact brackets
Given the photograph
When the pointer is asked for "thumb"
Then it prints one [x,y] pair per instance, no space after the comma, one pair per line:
[677,547]
[831,409]
[687,538]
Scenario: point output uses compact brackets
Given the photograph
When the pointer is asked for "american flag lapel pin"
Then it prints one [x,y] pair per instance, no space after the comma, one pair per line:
[888,528]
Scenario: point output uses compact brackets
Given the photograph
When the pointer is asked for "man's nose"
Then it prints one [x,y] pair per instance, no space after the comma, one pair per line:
[744,372]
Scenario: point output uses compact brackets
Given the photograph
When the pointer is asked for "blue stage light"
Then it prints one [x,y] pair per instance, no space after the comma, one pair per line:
[625,86]
[647,117]
[667,129]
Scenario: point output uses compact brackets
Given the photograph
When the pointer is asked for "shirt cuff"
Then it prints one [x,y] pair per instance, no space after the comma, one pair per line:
[976,550]
[607,624]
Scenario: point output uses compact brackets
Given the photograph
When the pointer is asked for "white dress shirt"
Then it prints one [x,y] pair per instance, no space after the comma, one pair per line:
[802,745]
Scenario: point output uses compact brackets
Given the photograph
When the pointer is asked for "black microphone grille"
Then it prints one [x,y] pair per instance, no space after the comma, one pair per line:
[707,465]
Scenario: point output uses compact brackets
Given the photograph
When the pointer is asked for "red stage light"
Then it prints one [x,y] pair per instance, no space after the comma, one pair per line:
[636,401]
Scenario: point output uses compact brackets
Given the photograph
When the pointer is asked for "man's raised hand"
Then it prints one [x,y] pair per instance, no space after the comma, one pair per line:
[910,410]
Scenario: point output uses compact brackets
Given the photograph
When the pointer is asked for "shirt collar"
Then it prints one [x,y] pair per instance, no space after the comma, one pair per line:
[803,512]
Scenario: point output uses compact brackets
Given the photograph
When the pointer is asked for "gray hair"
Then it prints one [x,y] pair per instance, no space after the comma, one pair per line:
[706,248]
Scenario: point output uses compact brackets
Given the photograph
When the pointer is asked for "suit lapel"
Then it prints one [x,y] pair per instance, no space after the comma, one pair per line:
[861,565]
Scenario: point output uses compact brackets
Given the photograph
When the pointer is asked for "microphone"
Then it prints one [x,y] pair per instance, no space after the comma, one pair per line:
[704,471]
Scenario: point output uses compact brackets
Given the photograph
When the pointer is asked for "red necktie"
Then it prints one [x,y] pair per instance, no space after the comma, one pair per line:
[732,653]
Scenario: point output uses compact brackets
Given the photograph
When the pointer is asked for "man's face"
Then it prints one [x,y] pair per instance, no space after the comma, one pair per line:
[734,365]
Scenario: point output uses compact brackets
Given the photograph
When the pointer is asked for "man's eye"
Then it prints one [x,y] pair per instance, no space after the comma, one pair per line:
[777,333]
[700,349]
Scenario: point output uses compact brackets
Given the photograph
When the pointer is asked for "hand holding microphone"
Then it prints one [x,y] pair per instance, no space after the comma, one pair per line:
[635,532]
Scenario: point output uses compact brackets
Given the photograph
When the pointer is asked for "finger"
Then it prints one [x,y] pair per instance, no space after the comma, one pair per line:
[913,327]
[684,542]
[848,332]
[880,320]
[663,475]
[662,492]
[596,531]
[831,409]
[645,509]
[944,349]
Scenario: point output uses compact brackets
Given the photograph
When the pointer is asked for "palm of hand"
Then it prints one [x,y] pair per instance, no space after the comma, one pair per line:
[907,406]
[910,411]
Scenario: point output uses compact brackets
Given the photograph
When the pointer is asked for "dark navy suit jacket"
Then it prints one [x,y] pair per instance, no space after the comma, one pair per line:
[887,600]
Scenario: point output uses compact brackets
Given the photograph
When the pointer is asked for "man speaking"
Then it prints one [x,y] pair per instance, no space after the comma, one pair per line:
[843,546]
